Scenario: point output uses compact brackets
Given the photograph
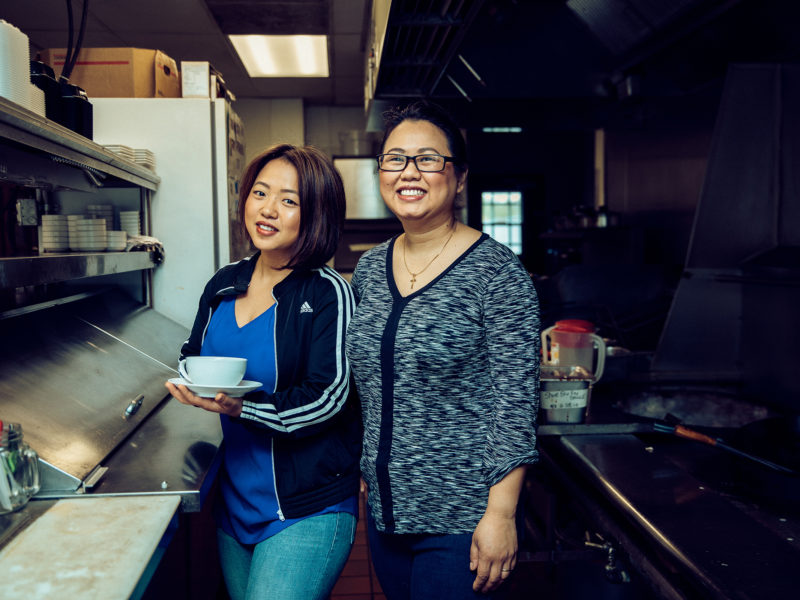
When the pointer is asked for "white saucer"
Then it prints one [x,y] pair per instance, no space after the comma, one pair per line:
[209,391]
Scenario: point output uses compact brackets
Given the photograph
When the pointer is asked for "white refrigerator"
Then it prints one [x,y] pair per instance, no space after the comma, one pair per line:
[198,145]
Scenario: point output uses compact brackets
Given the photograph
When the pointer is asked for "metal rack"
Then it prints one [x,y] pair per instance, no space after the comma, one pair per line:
[37,152]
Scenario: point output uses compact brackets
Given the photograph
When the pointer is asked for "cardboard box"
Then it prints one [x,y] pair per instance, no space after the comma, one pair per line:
[120,72]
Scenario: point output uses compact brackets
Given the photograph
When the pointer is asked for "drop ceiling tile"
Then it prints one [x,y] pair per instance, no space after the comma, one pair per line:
[40,15]
[348,91]
[348,17]
[41,39]
[347,57]
[155,16]
[271,17]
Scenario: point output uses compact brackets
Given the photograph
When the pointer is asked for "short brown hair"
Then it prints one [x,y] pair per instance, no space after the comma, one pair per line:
[322,201]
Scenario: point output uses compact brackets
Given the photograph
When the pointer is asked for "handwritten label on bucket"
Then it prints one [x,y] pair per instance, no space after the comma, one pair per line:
[564,398]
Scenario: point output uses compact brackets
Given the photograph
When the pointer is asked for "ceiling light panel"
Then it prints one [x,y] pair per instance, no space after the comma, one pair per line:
[283,55]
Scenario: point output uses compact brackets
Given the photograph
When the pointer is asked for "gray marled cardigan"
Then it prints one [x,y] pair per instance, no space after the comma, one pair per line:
[449,384]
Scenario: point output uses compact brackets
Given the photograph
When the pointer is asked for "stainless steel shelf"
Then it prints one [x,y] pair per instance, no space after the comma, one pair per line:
[51,268]
[38,133]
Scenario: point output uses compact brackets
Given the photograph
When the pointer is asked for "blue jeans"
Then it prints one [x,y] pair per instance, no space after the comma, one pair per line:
[424,567]
[302,562]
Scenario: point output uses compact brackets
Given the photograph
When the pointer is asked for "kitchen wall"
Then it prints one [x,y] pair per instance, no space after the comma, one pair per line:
[335,130]
[267,122]
[654,179]
[339,131]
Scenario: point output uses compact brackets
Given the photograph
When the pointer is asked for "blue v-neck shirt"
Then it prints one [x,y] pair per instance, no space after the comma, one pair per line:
[249,510]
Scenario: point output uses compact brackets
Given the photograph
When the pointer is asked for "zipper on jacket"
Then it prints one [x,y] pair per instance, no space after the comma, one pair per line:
[272,439]
[275,480]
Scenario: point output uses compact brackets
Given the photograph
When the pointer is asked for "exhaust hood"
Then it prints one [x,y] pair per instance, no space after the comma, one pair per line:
[734,315]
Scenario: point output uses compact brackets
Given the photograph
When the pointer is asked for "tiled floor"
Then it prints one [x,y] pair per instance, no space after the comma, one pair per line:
[358,580]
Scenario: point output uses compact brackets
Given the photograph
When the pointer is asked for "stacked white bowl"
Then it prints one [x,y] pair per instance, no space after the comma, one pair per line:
[145,158]
[90,234]
[117,240]
[129,222]
[72,223]
[55,235]
[102,211]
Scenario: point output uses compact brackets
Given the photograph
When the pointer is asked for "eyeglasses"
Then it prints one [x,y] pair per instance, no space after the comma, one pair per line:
[428,163]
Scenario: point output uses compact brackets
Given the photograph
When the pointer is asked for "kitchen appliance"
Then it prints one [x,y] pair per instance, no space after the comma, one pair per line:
[572,342]
[76,110]
[198,145]
[43,77]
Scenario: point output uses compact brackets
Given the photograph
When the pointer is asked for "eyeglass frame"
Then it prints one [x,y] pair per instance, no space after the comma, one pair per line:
[414,159]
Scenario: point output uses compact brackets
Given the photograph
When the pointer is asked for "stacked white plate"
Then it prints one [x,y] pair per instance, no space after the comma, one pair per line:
[125,152]
[15,65]
[145,158]
[117,240]
[102,211]
[37,100]
[55,235]
[129,222]
[87,235]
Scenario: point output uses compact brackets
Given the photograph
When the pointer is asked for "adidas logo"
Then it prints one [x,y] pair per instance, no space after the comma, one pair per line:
[306,308]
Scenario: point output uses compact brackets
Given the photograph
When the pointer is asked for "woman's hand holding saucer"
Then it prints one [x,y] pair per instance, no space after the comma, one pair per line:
[221,403]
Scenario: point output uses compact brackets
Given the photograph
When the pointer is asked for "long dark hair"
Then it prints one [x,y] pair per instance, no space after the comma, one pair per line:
[322,201]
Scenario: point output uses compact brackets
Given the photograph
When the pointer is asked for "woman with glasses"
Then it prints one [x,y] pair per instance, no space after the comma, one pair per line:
[444,346]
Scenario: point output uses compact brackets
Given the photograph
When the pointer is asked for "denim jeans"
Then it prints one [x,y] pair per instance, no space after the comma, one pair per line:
[302,562]
[424,567]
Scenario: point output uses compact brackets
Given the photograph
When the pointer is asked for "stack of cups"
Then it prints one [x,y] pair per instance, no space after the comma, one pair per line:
[117,240]
[129,222]
[55,235]
[91,235]
[102,211]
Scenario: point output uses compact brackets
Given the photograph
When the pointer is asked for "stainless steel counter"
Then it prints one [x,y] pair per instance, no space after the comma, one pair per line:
[175,452]
[702,542]
[86,381]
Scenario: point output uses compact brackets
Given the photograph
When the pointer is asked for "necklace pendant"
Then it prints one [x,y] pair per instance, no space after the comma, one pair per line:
[413,280]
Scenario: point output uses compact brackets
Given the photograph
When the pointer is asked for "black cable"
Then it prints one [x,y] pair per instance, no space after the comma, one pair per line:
[79,42]
[68,57]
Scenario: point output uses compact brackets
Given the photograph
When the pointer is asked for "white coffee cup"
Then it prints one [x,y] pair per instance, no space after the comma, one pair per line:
[223,371]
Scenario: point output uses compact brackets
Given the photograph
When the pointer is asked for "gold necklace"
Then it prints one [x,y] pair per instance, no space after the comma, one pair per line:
[430,262]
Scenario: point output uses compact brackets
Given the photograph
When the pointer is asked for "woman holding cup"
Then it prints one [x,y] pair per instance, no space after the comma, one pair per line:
[287,508]
[444,346]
